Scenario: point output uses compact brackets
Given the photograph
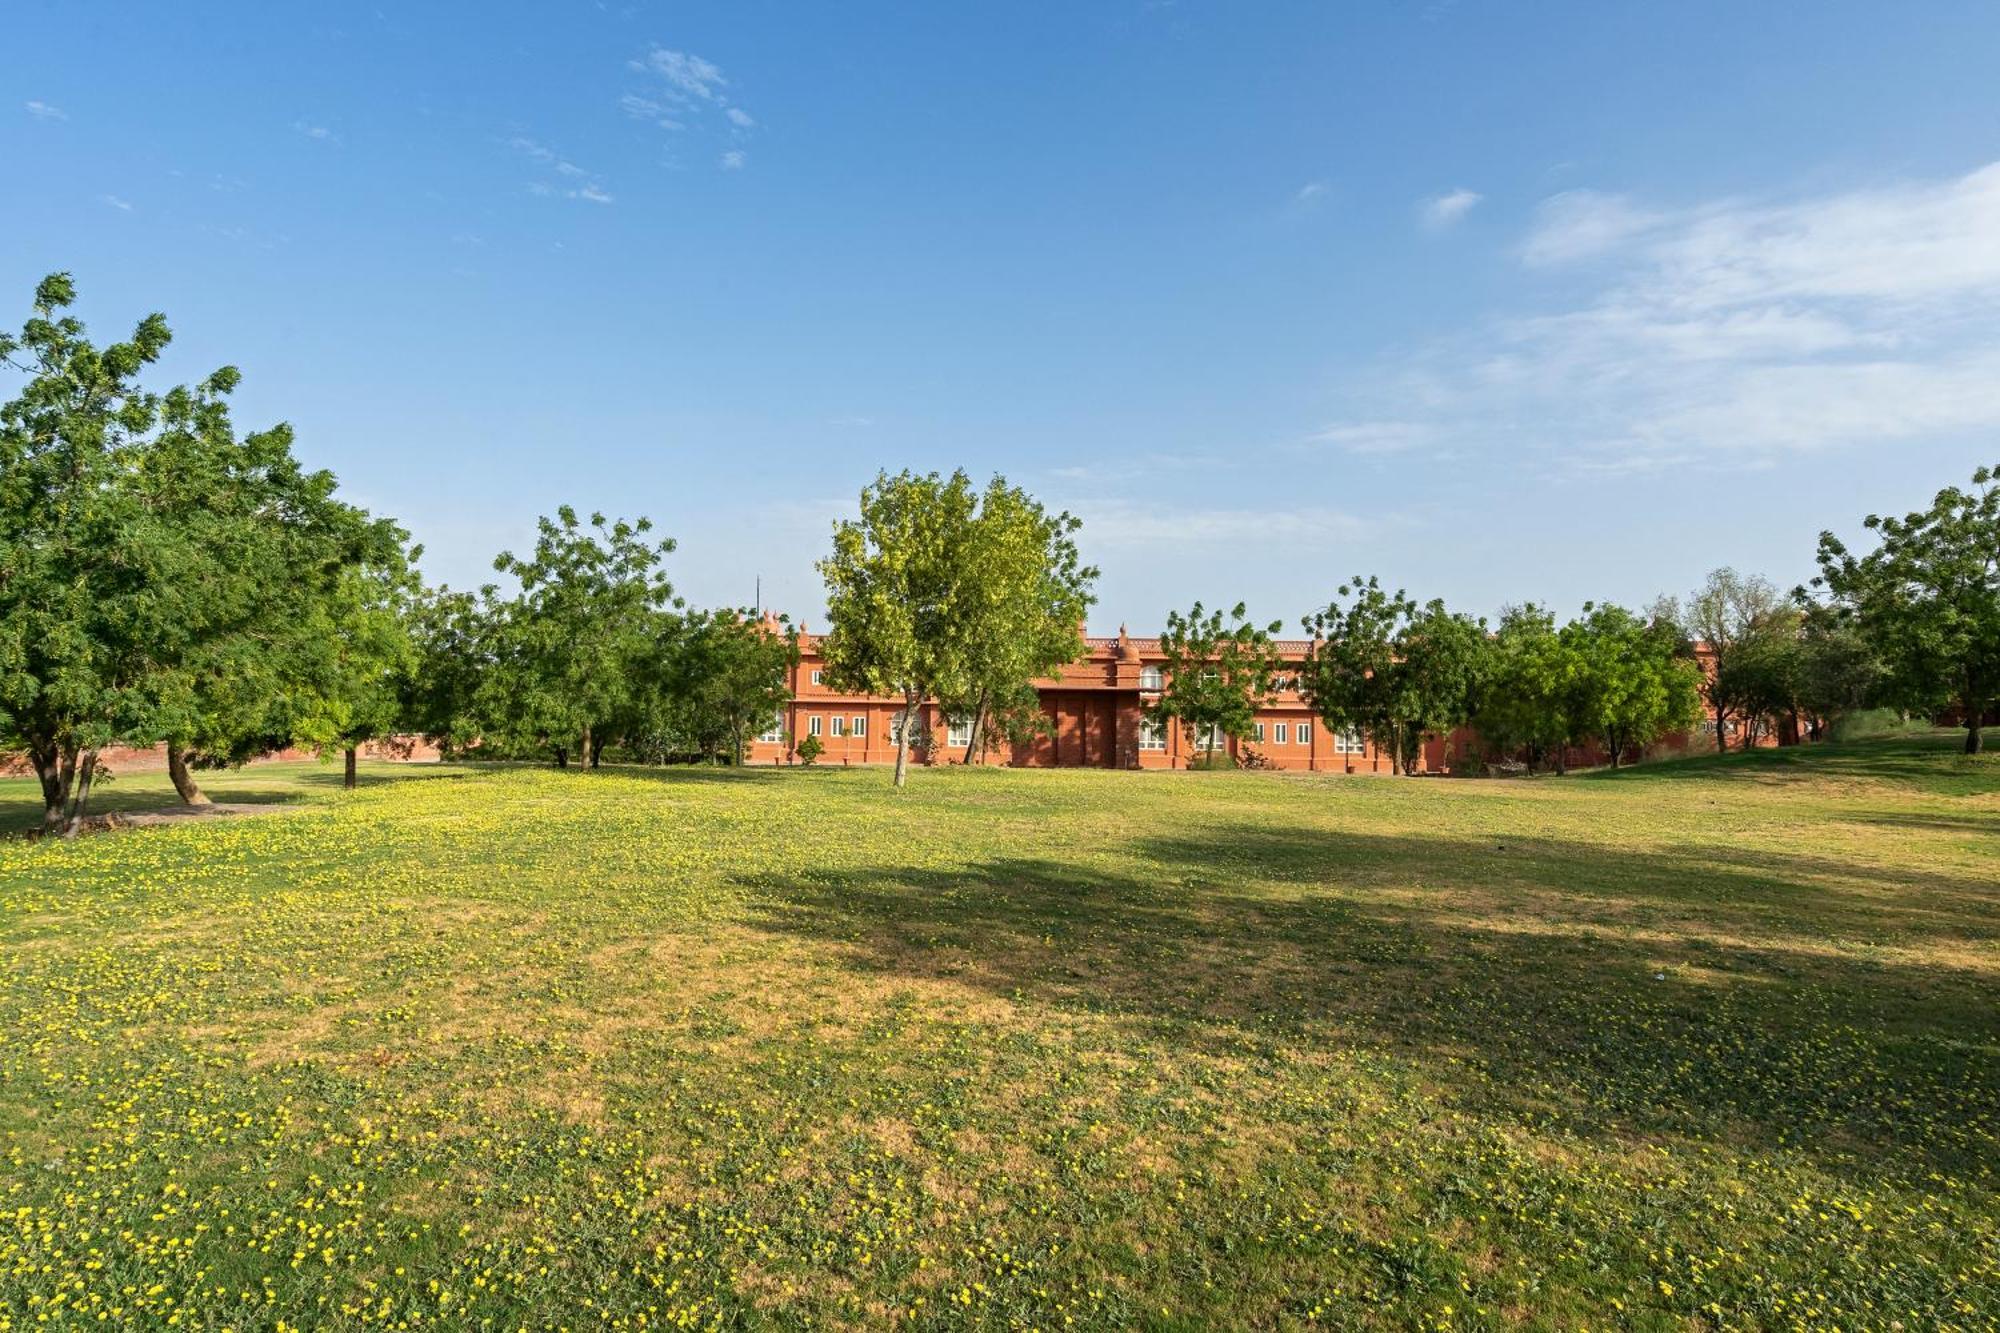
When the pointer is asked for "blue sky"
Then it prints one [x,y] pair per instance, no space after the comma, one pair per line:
[1547,302]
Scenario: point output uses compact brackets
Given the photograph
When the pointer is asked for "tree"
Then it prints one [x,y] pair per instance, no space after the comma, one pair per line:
[1928,599]
[70,527]
[1441,664]
[452,647]
[1724,614]
[1218,668]
[564,646]
[1627,682]
[1348,675]
[1528,704]
[1384,666]
[727,676]
[903,595]
[361,651]
[1023,614]
[1839,670]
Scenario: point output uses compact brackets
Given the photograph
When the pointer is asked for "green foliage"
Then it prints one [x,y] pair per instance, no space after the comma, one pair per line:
[1218,668]
[1392,670]
[724,680]
[1927,599]
[1627,680]
[809,750]
[936,591]
[567,648]
[163,577]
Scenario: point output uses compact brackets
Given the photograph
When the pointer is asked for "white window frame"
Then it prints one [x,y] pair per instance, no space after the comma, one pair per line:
[1258,731]
[1281,733]
[1152,734]
[1305,733]
[957,732]
[1152,678]
[812,725]
[1349,742]
[775,732]
[816,677]
[839,725]
[860,725]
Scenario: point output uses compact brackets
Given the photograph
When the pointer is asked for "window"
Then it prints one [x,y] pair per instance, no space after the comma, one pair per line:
[1305,733]
[840,726]
[1152,678]
[812,725]
[1216,739]
[1347,742]
[860,726]
[917,734]
[1260,732]
[816,676]
[1281,734]
[774,731]
[1152,734]
[958,732]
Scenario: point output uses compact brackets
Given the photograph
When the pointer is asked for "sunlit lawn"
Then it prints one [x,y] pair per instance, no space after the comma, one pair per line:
[1708,1044]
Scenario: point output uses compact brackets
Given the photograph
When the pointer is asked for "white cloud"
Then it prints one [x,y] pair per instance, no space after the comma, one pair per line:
[645,108]
[686,88]
[689,76]
[43,111]
[1446,210]
[1733,329]
[590,189]
[1310,191]
[114,201]
[318,132]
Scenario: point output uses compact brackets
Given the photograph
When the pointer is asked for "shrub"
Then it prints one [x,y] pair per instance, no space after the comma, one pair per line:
[810,749]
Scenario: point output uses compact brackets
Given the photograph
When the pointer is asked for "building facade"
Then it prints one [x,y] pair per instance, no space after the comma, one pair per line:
[1096,713]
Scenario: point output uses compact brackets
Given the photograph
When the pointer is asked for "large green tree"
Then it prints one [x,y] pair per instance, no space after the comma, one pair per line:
[151,560]
[1218,667]
[1349,671]
[76,550]
[1625,680]
[1928,598]
[937,592]
[1024,611]
[1393,670]
[567,644]
[1529,705]
[726,679]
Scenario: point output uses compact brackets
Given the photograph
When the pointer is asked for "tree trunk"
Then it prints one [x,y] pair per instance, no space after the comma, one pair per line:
[347,777]
[55,786]
[183,780]
[903,740]
[1611,746]
[583,749]
[562,756]
[80,805]
[1721,732]
[1973,741]
[1562,759]
[978,723]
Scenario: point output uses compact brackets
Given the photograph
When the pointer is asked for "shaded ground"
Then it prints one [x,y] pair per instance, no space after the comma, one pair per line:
[1711,1047]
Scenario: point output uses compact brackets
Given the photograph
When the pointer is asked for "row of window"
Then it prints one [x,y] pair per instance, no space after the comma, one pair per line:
[1152,734]
[1150,678]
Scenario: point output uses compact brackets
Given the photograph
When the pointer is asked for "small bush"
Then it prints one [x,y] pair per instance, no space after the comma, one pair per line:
[810,749]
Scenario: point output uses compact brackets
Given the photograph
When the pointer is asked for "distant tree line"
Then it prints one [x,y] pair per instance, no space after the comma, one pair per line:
[166,579]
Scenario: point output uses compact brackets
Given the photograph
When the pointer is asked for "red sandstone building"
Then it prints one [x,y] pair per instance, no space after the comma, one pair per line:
[1095,708]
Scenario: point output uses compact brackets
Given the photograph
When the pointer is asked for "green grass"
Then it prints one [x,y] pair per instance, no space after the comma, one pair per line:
[1711,1044]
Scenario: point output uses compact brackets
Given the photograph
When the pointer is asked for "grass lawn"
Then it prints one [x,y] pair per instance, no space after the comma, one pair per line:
[1710,1044]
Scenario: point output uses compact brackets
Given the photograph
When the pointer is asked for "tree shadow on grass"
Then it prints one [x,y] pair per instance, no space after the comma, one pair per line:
[1870,1067]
